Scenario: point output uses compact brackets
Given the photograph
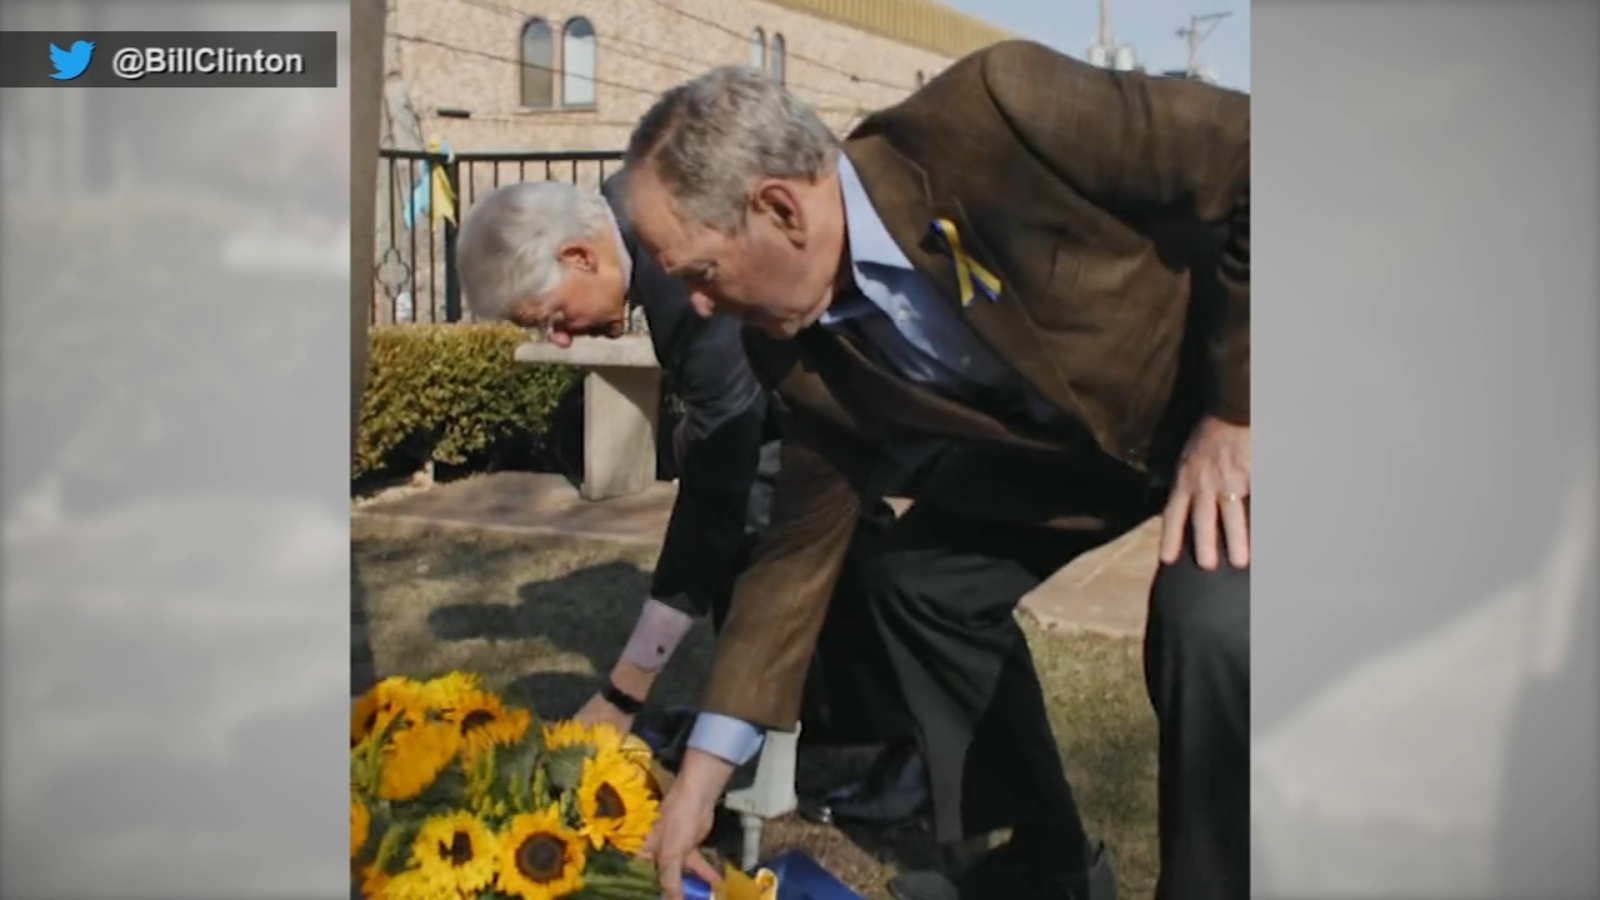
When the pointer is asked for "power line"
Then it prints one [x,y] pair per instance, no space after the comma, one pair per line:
[792,86]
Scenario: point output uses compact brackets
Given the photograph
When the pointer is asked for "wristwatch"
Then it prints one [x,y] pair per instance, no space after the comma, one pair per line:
[621,699]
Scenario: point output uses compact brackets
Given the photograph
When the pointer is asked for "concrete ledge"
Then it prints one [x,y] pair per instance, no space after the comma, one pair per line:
[632,351]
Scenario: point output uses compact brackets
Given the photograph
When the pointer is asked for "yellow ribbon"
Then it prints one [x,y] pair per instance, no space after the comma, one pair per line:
[443,201]
[970,273]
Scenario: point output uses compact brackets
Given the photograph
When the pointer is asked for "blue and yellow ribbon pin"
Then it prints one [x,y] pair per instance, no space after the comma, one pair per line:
[970,274]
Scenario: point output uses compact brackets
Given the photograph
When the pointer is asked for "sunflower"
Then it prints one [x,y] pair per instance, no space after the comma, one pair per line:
[455,852]
[447,691]
[374,883]
[415,758]
[635,748]
[415,884]
[567,733]
[484,722]
[540,858]
[360,826]
[615,801]
[380,707]
[572,733]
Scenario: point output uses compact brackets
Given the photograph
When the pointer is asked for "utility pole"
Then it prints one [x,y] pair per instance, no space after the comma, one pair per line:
[366,102]
[1194,35]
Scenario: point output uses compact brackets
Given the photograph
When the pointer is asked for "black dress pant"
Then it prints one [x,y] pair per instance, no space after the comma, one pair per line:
[1197,669]
[944,589]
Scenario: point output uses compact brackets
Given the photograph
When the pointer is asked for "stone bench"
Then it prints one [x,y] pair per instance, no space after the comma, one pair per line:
[621,400]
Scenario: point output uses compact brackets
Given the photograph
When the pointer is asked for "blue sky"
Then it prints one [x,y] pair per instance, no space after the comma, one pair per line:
[1149,25]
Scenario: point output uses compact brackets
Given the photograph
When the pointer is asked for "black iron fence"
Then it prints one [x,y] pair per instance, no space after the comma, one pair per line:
[415,277]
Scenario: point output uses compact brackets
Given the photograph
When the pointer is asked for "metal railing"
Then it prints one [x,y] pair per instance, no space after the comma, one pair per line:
[414,275]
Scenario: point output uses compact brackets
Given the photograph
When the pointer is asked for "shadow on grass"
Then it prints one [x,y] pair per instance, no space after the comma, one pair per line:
[362,667]
[588,612]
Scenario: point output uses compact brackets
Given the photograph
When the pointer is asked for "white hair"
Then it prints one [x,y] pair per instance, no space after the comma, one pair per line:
[507,249]
[710,139]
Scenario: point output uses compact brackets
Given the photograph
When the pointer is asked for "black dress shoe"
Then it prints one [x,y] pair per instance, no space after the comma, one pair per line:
[895,790]
[1006,873]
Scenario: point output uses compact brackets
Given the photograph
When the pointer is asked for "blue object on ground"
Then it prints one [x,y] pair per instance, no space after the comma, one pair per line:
[801,878]
[695,889]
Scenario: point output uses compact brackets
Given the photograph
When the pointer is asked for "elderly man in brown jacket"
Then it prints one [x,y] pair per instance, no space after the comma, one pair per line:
[1046,263]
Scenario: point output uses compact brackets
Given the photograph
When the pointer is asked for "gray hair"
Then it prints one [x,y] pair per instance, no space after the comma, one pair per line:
[711,138]
[507,249]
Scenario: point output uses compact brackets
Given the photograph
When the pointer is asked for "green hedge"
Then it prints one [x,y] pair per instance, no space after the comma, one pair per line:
[450,394]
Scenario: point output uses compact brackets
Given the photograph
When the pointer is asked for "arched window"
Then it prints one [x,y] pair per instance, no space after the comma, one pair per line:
[538,65]
[758,49]
[921,78]
[777,58]
[577,63]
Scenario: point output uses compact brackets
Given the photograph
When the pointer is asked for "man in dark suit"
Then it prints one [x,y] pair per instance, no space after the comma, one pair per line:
[556,256]
[1046,263]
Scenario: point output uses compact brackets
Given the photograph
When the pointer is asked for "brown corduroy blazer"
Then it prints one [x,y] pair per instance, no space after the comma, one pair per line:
[1114,209]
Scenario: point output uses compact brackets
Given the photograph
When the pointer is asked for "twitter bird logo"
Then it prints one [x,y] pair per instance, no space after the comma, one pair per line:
[69,64]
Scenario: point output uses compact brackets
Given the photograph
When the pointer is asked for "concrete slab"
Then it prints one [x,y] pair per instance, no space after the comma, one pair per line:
[537,503]
[628,351]
[1104,592]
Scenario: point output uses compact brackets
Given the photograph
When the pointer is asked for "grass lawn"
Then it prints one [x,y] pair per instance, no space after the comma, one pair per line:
[538,617]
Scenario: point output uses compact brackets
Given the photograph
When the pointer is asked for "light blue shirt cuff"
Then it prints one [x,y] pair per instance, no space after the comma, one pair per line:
[728,739]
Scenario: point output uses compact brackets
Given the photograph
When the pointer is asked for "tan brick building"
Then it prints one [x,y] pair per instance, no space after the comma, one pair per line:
[566,75]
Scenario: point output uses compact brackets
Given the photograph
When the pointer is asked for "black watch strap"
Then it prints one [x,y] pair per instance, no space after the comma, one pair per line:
[621,699]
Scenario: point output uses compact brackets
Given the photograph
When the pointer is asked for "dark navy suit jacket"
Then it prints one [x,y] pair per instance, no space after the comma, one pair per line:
[724,422]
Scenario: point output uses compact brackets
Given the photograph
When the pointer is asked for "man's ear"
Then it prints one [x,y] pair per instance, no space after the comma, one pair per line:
[777,201]
[579,254]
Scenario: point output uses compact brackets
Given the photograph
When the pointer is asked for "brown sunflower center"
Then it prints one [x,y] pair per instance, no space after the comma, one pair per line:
[476,719]
[459,851]
[608,803]
[539,858]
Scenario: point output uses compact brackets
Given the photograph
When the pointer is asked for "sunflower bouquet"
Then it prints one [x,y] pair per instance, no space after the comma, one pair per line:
[457,796]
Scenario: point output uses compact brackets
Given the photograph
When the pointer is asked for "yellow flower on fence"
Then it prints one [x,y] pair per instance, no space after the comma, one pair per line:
[615,801]
[540,858]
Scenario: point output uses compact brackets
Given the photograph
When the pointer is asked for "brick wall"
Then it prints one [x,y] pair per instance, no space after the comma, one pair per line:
[462,55]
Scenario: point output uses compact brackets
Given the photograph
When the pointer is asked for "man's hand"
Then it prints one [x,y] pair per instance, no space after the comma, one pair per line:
[686,816]
[631,680]
[1213,483]
[599,711]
